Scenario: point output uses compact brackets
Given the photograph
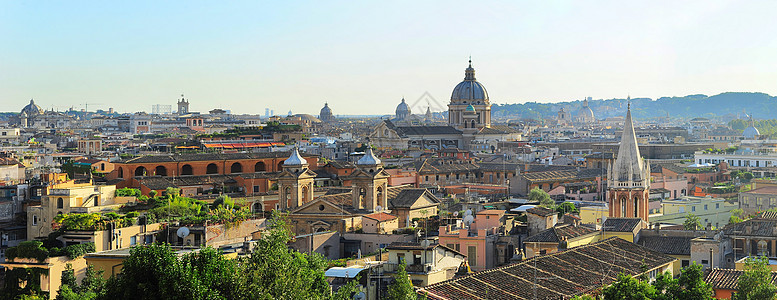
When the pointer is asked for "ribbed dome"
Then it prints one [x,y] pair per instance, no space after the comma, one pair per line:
[369,158]
[403,107]
[585,113]
[32,109]
[469,90]
[403,110]
[295,159]
[751,133]
[326,110]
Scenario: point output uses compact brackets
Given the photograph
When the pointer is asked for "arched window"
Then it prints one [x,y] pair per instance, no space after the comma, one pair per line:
[260,167]
[121,172]
[60,203]
[636,207]
[212,169]
[160,171]
[305,192]
[380,197]
[187,170]
[257,207]
[140,171]
[236,168]
[623,206]
[473,124]
[362,194]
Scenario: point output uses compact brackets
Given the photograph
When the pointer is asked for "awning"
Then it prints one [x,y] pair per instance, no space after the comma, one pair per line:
[340,272]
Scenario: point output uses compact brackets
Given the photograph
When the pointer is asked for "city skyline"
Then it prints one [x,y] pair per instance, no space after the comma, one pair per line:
[363,58]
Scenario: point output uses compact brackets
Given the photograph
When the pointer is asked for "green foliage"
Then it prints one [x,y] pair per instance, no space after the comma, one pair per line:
[765,127]
[629,288]
[75,251]
[90,287]
[755,282]
[127,192]
[23,283]
[566,207]
[402,288]
[172,193]
[28,249]
[223,200]
[692,222]
[736,216]
[538,195]
[93,221]
[152,194]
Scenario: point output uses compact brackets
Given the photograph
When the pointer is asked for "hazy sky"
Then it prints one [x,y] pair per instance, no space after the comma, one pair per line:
[363,56]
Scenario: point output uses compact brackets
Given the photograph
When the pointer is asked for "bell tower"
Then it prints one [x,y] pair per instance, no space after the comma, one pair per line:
[183,106]
[295,183]
[628,180]
[369,182]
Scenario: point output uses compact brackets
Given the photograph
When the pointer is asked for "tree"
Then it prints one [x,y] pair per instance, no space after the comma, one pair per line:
[566,207]
[538,195]
[736,216]
[691,284]
[152,194]
[90,288]
[629,288]
[692,222]
[756,281]
[274,272]
[402,288]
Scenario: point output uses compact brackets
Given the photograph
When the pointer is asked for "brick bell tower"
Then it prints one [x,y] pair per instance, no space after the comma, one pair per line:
[628,180]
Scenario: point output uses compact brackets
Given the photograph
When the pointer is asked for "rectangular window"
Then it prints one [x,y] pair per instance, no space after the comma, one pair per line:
[133,240]
[705,206]
[704,261]
[400,257]
[472,255]
[34,220]
[717,205]
[685,263]
[693,208]
[256,188]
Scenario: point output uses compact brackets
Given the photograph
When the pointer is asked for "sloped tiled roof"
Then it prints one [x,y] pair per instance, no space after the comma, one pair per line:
[559,233]
[407,197]
[672,245]
[621,224]
[380,217]
[752,227]
[541,211]
[565,175]
[726,279]
[564,274]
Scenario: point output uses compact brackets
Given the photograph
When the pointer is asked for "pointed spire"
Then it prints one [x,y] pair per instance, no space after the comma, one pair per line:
[628,165]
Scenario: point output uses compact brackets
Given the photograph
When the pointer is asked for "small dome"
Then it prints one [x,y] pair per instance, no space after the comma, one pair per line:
[470,89]
[326,109]
[295,159]
[403,110]
[369,158]
[326,113]
[751,132]
[32,109]
[470,108]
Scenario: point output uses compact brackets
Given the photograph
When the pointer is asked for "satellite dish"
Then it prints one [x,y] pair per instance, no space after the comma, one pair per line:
[455,213]
[359,296]
[468,219]
[378,208]
[468,212]
[425,243]
[182,232]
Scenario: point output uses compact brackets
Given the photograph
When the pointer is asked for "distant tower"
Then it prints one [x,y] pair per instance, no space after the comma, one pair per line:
[326,114]
[628,181]
[403,110]
[563,117]
[428,113]
[295,183]
[183,106]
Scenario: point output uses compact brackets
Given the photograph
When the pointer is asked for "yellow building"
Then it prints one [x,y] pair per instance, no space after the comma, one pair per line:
[425,264]
[624,228]
[51,277]
[593,215]
[711,211]
[73,198]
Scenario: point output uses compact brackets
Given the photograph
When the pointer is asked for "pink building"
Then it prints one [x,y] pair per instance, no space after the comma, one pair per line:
[478,241]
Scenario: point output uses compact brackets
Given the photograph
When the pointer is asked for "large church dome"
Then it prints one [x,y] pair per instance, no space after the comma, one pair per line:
[32,109]
[469,90]
[403,110]
[585,114]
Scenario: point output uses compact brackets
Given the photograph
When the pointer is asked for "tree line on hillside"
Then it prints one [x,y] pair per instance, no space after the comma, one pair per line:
[761,105]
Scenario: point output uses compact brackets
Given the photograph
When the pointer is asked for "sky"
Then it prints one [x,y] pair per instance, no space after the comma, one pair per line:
[363,57]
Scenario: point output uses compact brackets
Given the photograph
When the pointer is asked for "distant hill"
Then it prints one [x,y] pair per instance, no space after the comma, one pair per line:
[761,105]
